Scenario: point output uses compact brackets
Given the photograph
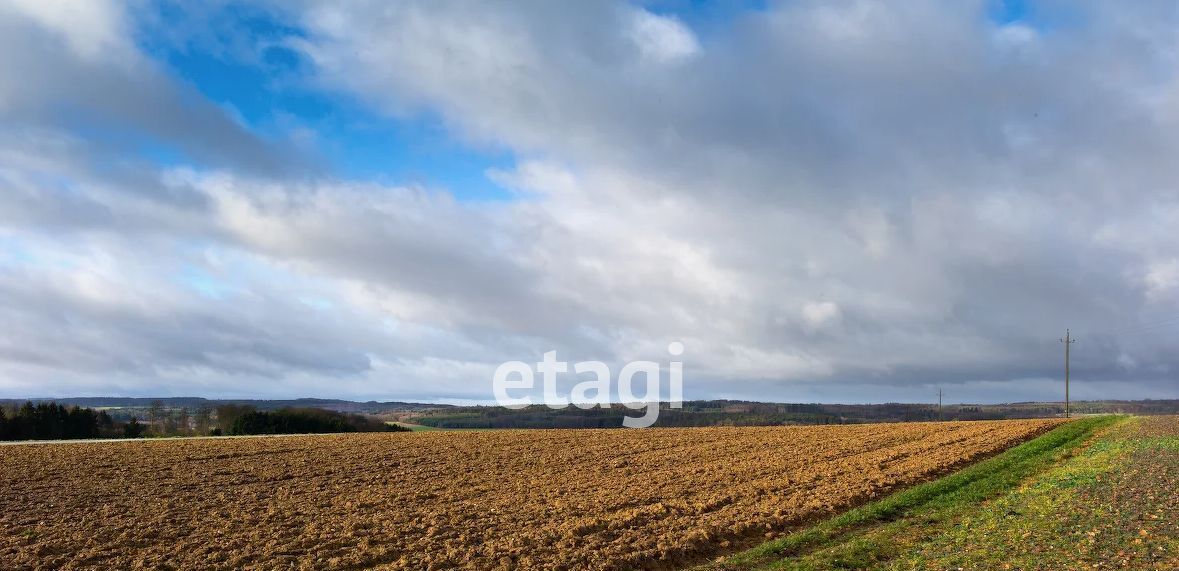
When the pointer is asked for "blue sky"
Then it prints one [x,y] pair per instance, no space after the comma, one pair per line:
[240,61]
[1008,11]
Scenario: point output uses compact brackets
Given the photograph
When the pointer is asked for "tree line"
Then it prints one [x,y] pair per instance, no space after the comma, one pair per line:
[304,421]
[52,421]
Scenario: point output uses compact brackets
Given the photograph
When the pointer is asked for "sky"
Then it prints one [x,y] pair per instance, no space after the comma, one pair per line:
[835,201]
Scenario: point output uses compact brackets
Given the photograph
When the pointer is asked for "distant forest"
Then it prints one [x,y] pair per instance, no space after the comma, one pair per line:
[51,421]
[299,421]
[741,413]
[102,417]
[46,420]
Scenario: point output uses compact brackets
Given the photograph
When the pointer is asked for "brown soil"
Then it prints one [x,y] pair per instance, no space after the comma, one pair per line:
[551,499]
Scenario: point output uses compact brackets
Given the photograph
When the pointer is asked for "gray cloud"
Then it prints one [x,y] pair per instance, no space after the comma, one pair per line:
[824,201]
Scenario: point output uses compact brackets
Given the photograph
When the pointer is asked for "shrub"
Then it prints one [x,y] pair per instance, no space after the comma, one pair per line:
[133,429]
[305,421]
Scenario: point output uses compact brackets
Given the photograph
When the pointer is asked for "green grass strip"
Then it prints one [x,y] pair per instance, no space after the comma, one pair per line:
[930,503]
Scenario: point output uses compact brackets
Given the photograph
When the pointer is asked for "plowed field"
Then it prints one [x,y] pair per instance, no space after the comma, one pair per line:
[553,499]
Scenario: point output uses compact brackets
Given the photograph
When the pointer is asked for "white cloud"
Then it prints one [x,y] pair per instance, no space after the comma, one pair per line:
[1162,278]
[660,38]
[94,29]
[818,315]
[1016,35]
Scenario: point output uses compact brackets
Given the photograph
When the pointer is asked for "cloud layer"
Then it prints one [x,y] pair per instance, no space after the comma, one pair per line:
[840,201]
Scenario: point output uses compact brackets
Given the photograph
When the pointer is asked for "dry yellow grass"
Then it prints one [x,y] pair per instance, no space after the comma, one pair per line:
[554,499]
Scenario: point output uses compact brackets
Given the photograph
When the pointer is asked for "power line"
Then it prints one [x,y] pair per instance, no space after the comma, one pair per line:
[1162,322]
[1068,341]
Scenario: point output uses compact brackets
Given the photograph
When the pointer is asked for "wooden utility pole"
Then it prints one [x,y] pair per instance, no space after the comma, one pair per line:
[1068,340]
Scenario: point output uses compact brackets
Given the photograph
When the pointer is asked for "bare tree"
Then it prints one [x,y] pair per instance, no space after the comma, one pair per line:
[155,416]
[228,413]
[202,419]
[182,421]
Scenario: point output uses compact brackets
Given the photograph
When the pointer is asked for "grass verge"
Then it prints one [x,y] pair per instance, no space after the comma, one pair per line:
[415,427]
[879,531]
[1113,505]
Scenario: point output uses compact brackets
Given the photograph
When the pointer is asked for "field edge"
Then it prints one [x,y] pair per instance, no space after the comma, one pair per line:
[929,502]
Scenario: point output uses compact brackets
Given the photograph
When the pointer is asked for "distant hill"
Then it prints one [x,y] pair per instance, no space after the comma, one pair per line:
[193,403]
[745,413]
[693,413]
